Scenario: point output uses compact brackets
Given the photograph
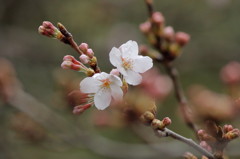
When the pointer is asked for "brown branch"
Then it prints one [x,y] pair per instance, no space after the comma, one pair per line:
[173,73]
[179,94]
[149,7]
[69,38]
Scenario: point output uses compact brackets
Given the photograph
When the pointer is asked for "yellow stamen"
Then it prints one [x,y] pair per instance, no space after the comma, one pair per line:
[127,64]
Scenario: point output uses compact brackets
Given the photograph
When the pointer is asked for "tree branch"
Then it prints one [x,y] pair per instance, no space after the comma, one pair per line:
[167,132]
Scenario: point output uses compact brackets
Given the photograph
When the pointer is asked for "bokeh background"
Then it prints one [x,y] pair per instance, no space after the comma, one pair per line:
[212,24]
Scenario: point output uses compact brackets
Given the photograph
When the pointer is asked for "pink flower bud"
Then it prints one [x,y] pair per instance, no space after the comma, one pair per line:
[70,65]
[201,133]
[83,47]
[145,27]
[182,38]
[84,59]
[81,108]
[204,145]
[48,29]
[90,53]
[169,33]
[72,59]
[158,18]
[166,121]
[114,72]
[227,128]
[230,74]
[233,134]
[66,64]
[47,24]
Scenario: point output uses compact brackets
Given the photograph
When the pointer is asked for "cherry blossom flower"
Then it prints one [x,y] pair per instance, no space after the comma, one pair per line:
[129,63]
[104,86]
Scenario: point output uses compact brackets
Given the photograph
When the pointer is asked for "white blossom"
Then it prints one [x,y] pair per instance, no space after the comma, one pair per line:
[129,63]
[104,86]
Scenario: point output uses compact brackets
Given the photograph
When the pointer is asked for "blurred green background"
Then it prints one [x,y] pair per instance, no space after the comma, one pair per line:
[212,24]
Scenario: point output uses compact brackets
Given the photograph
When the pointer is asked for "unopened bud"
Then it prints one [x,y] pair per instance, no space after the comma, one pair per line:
[71,58]
[182,38]
[81,108]
[145,27]
[227,128]
[166,121]
[66,64]
[230,73]
[235,133]
[84,59]
[83,47]
[169,33]
[48,29]
[115,72]
[204,145]
[158,18]
[47,24]
[90,53]
[157,124]
[147,117]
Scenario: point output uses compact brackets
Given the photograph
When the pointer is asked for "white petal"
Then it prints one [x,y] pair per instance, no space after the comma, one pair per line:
[101,76]
[133,78]
[115,80]
[115,57]
[129,49]
[102,98]
[116,92]
[89,85]
[122,70]
[142,64]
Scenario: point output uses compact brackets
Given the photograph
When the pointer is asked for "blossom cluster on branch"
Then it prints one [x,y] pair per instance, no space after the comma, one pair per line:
[104,89]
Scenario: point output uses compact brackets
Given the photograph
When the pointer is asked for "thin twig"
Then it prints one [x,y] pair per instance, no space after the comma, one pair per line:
[149,7]
[173,73]
[69,38]
[167,132]
[179,94]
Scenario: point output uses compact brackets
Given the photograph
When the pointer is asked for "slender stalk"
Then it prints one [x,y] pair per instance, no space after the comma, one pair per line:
[179,94]
[69,38]
[167,132]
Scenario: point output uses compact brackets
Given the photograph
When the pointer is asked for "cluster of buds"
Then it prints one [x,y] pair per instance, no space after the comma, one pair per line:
[149,118]
[216,138]
[87,56]
[48,29]
[163,38]
[69,62]
[80,101]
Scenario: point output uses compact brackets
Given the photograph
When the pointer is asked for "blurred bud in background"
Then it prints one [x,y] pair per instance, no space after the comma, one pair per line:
[211,105]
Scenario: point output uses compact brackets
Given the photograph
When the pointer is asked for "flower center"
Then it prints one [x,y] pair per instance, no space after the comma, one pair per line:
[126,63]
[106,83]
